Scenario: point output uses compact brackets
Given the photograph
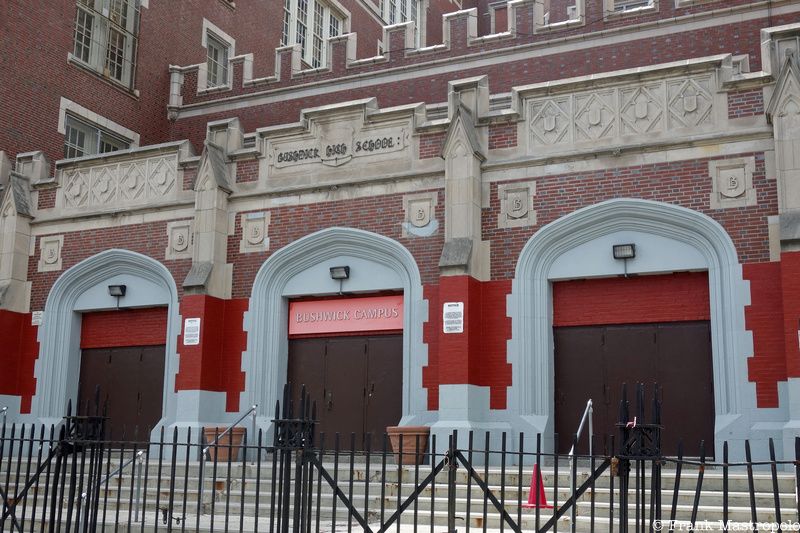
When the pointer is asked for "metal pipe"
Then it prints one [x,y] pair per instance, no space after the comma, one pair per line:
[4,410]
[587,414]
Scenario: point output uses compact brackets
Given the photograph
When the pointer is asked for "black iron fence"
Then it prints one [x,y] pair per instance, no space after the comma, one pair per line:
[70,478]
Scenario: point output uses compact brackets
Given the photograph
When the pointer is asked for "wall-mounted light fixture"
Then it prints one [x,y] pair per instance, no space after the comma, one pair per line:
[341,273]
[117,291]
[624,252]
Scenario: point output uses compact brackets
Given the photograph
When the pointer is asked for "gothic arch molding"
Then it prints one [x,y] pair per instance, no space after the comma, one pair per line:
[266,322]
[57,368]
[531,347]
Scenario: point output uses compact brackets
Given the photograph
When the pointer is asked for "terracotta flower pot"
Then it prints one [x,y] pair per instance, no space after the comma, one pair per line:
[411,437]
[227,446]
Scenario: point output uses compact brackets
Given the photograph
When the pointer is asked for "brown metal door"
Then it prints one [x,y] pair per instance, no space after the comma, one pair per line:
[345,387]
[677,356]
[384,405]
[685,370]
[307,367]
[629,356]
[131,379]
[578,378]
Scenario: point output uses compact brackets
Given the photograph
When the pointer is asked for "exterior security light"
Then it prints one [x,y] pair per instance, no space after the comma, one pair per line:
[117,290]
[340,272]
[624,251]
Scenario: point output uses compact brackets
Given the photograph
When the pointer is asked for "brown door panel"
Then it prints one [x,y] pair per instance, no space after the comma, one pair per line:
[686,368]
[345,384]
[384,402]
[578,378]
[151,388]
[629,354]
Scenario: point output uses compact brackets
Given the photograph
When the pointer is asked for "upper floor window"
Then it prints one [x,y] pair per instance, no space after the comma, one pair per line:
[105,37]
[83,138]
[310,23]
[217,61]
[628,5]
[399,11]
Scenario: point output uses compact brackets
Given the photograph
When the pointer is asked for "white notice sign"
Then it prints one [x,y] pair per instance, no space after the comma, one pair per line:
[191,332]
[36,318]
[453,317]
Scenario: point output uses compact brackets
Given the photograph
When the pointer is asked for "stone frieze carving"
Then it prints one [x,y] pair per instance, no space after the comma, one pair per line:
[119,184]
[647,108]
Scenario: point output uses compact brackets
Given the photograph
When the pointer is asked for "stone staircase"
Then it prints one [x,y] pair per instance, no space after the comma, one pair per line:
[246,495]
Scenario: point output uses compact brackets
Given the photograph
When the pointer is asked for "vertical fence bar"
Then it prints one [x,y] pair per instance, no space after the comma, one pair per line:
[350,482]
[574,483]
[27,477]
[521,459]
[592,482]
[451,482]
[750,485]
[400,477]
[367,475]
[134,470]
[416,481]
[470,444]
[259,444]
[229,465]
[797,476]
[336,444]
[775,490]
[383,476]
[555,481]
[678,468]
[45,498]
[725,482]
[609,441]
[319,480]
[699,487]
[159,471]
[433,480]
[170,505]
[538,464]
[502,478]
[485,480]
[146,480]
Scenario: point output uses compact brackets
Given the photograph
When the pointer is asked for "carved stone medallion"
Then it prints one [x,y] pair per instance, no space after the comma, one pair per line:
[732,183]
[420,214]
[179,240]
[255,228]
[516,204]
[50,248]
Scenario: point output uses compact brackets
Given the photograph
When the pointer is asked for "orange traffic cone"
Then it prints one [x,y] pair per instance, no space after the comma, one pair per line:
[537,487]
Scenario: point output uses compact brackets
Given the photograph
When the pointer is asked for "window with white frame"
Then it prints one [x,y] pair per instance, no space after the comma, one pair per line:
[84,138]
[399,11]
[310,23]
[105,37]
[628,5]
[217,62]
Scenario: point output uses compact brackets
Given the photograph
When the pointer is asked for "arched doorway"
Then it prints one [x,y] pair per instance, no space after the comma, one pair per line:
[302,269]
[699,243]
[84,288]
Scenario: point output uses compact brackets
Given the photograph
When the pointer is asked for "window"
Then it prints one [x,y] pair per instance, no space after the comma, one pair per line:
[105,37]
[399,11]
[217,62]
[83,138]
[627,5]
[310,23]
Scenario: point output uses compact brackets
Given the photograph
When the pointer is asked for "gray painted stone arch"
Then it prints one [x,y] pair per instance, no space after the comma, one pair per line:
[384,264]
[83,287]
[530,305]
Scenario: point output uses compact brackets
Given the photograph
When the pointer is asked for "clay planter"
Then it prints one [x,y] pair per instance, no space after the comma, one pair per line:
[409,436]
[227,445]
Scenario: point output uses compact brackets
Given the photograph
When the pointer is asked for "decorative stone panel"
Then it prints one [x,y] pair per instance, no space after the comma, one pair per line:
[516,204]
[420,214]
[732,183]
[50,248]
[122,184]
[180,239]
[255,228]
[634,111]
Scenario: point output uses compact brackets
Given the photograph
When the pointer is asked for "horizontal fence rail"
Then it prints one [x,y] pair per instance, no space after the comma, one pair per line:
[68,477]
